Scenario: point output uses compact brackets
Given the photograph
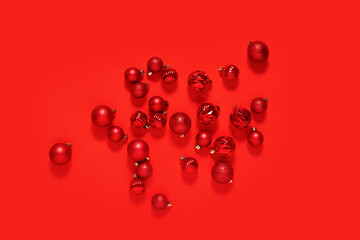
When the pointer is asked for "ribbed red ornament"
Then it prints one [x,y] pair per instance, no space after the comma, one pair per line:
[223,146]
[259,105]
[199,81]
[189,164]
[240,117]
[102,115]
[154,65]
[139,89]
[169,75]
[137,185]
[229,72]
[139,120]
[180,123]
[208,113]
[159,201]
[222,172]
[255,138]
[158,120]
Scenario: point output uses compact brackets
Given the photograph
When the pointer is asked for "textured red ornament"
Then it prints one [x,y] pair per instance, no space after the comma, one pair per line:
[102,116]
[199,81]
[154,65]
[230,72]
[188,164]
[159,201]
[203,139]
[259,105]
[139,89]
[139,120]
[138,150]
[137,185]
[223,147]
[208,113]
[222,172]
[258,51]
[143,170]
[158,120]
[180,123]
[158,104]
[116,134]
[169,75]
[132,74]
[240,117]
[255,138]
[60,153]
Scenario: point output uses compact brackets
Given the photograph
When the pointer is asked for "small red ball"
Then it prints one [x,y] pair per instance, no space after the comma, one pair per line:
[223,147]
[139,120]
[144,170]
[207,113]
[180,123]
[255,138]
[258,51]
[189,165]
[222,172]
[158,120]
[102,116]
[240,117]
[116,134]
[139,89]
[169,75]
[259,105]
[203,139]
[60,153]
[137,186]
[199,81]
[158,104]
[154,65]
[230,72]
[132,74]
[138,150]
[159,201]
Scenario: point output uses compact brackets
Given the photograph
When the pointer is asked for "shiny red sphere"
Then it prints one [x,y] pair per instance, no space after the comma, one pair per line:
[154,65]
[259,105]
[255,138]
[207,113]
[223,146]
[137,186]
[102,116]
[144,170]
[60,153]
[199,81]
[160,202]
[258,51]
[169,75]
[230,72]
[222,172]
[189,164]
[180,123]
[158,104]
[139,120]
[158,120]
[240,117]
[138,150]
[203,139]
[139,89]
[132,74]
[116,134]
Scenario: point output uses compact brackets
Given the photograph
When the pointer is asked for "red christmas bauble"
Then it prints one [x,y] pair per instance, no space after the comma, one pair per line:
[138,150]
[199,81]
[259,105]
[159,201]
[255,138]
[116,134]
[154,65]
[180,123]
[208,113]
[223,147]
[132,74]
[137,185]
[158,104]
[139,120]
[169,75]
[229,72]
[158,120]
[189,164]
[240,117]
[60,153]
[203,139]
[139,89]
[258,51]
[143,170]
[102,116]
[222,172]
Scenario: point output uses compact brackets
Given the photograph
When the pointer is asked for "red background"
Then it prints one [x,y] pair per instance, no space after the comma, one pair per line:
[62,58]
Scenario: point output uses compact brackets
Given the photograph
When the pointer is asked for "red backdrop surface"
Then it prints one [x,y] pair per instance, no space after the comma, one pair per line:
[62,58]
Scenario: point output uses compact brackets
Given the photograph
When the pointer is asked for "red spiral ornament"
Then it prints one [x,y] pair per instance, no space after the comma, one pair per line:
[223,147]
[137,185]
[230,72]
[139,120]
[240,117]
[169,75]
[207,113]
[158,120]
[189,164]
[199,81]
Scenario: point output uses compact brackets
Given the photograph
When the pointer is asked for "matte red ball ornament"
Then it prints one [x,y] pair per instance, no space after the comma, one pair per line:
[180,123]
[207,113]
[199,81]
[60,153]
[169,75]
[138,150]
[229,72]
[154,65]
[102,116]
[116,134]
[139,89]
[223,147]
[132,74]
[240,117]
[203,139]
[158,104]
[222,172]
[158,120]
[143,169]
[259,105]
[255,138]
[189,164]
[159,201]
[137,185]
[258,51]
[139,120]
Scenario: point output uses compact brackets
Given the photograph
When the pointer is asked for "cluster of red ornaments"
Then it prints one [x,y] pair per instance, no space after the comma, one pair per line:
[179,123]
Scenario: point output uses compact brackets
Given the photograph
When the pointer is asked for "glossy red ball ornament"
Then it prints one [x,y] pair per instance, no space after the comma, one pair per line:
[132,74]
[240,117]
[229,72]
[199,81]
[143,169]
[139,89]
[116,134]
[60,153]
[222,172]
[258,51]
[169,75]
[102,116]
[189,164]
[154,65]
[158,104]
[255,138]
[139,120]
[158,120]
[259,105]
[223,147]
[180,123]
[138,150]
[203,139]
[159,201]
[137,185]
[207,113]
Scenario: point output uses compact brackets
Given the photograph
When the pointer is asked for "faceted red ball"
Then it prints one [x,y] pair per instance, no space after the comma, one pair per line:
[60,153]
[255,138]
[139,120]
[230,72]
[139,89]
[223,146]
[189,165]
[160,202]
[102,116]
[116,134]
[138,150]
[154,65]
[144,170]
[240,117]
[258,51]
[158,104]
[222,172]
[207,113]
[199,81]
[132,74]
[259,105]
[180,123]
[169,75]
[158,120]
[137,186]
[203,139]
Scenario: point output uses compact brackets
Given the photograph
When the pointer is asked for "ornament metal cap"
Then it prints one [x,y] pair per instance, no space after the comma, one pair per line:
[212,151]
[147,158]
[147,126]
[141,72]
[182,135]
[197,147]
[136,164]
[182,158]
[135,176]
[231,181]
[113,110]
[221,69]
[266,100]
[253,128]
[69,144]
[169,204]
[125,137]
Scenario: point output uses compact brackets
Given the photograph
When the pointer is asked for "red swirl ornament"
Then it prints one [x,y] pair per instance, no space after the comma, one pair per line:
[189,164]
[158,120]
[240,117]
[223,147]
[139,120]
[199,81]
[169,75]
[137,186]
[180,123]
[154,65]
[229,72]
[207,113]
[222,172]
